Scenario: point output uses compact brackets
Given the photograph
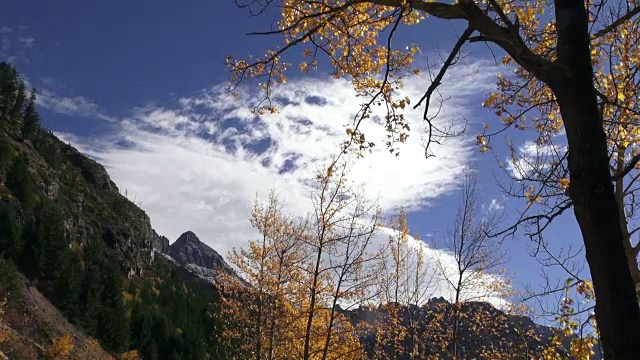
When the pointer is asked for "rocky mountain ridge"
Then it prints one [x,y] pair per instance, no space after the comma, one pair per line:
[92,205]
[193,255]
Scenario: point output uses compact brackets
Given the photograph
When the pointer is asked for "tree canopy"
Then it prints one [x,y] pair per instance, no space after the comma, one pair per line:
[575,80]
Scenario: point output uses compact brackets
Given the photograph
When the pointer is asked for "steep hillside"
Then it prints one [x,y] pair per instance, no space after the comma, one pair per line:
[85,255]
[31,327]
[92,205]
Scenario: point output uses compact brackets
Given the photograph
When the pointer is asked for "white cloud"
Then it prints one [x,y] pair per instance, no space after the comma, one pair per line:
[439,266]
[27,42]
[75,106]
[495,205]
[531,156]
[5,30]
[197,166]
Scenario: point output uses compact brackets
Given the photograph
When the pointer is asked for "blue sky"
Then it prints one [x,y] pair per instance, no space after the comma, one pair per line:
[139,86]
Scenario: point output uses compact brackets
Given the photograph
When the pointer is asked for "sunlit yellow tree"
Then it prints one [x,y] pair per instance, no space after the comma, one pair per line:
[405,282]
[409,325]
[343,224]
[552,43]
[576,322]
[300,273]
[266,310]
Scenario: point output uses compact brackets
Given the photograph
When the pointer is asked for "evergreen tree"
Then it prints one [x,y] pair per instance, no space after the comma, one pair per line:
[67,284]
[151,351]
[21,95]
[11,242]
[31,119]
[34,239]
[114,328]
[141,325]
[92,307]
[91,292]
[20,183]
[9,80]
[52,240]
[8,277]
[6,152]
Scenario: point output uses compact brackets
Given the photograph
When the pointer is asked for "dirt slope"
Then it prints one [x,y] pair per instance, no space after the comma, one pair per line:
[30,325]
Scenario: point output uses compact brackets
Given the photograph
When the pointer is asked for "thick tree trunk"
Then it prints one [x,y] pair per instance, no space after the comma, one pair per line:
[591,188]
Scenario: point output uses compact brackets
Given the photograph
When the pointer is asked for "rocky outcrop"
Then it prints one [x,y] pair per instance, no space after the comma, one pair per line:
[91,203]
[188,249]
[500,331]
[160,243]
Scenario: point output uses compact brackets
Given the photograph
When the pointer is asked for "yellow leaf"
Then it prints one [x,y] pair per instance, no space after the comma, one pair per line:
[564,183]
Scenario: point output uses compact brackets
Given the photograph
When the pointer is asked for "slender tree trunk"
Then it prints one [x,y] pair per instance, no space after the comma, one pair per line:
[259,323]
[327,341]
[412,332]
[456,318]
[272,320]
[261,295]
[619,193]
[312,304]
[591,187]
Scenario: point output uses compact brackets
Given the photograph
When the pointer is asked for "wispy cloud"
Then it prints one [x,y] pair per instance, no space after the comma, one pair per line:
[27,42]
[74,106]
[197,165]
[530,157]
[495,205]
[16,46]
[439,271]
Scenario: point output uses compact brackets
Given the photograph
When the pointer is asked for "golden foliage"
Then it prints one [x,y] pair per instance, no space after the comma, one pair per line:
[60,349]
[524,102]
[350,35]
[130,355]
[571,324]
[289,309]
[356,39]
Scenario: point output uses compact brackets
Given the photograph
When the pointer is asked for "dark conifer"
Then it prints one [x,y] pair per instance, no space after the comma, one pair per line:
[67,284]
[11,241]
[9,82]
[21,95]
[20,184]
[31,118]
[114,328]
[91,291]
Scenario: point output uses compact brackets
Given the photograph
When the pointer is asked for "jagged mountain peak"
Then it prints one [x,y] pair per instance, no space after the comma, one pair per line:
[188,249]
[189,237]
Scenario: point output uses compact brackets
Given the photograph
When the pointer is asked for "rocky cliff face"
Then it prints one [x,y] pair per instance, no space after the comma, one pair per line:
[188,249]
[92,205]
[94,208]
[160,243]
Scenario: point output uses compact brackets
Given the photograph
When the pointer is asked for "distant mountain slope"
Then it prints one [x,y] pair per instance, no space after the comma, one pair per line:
[195,257]
[188,249]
